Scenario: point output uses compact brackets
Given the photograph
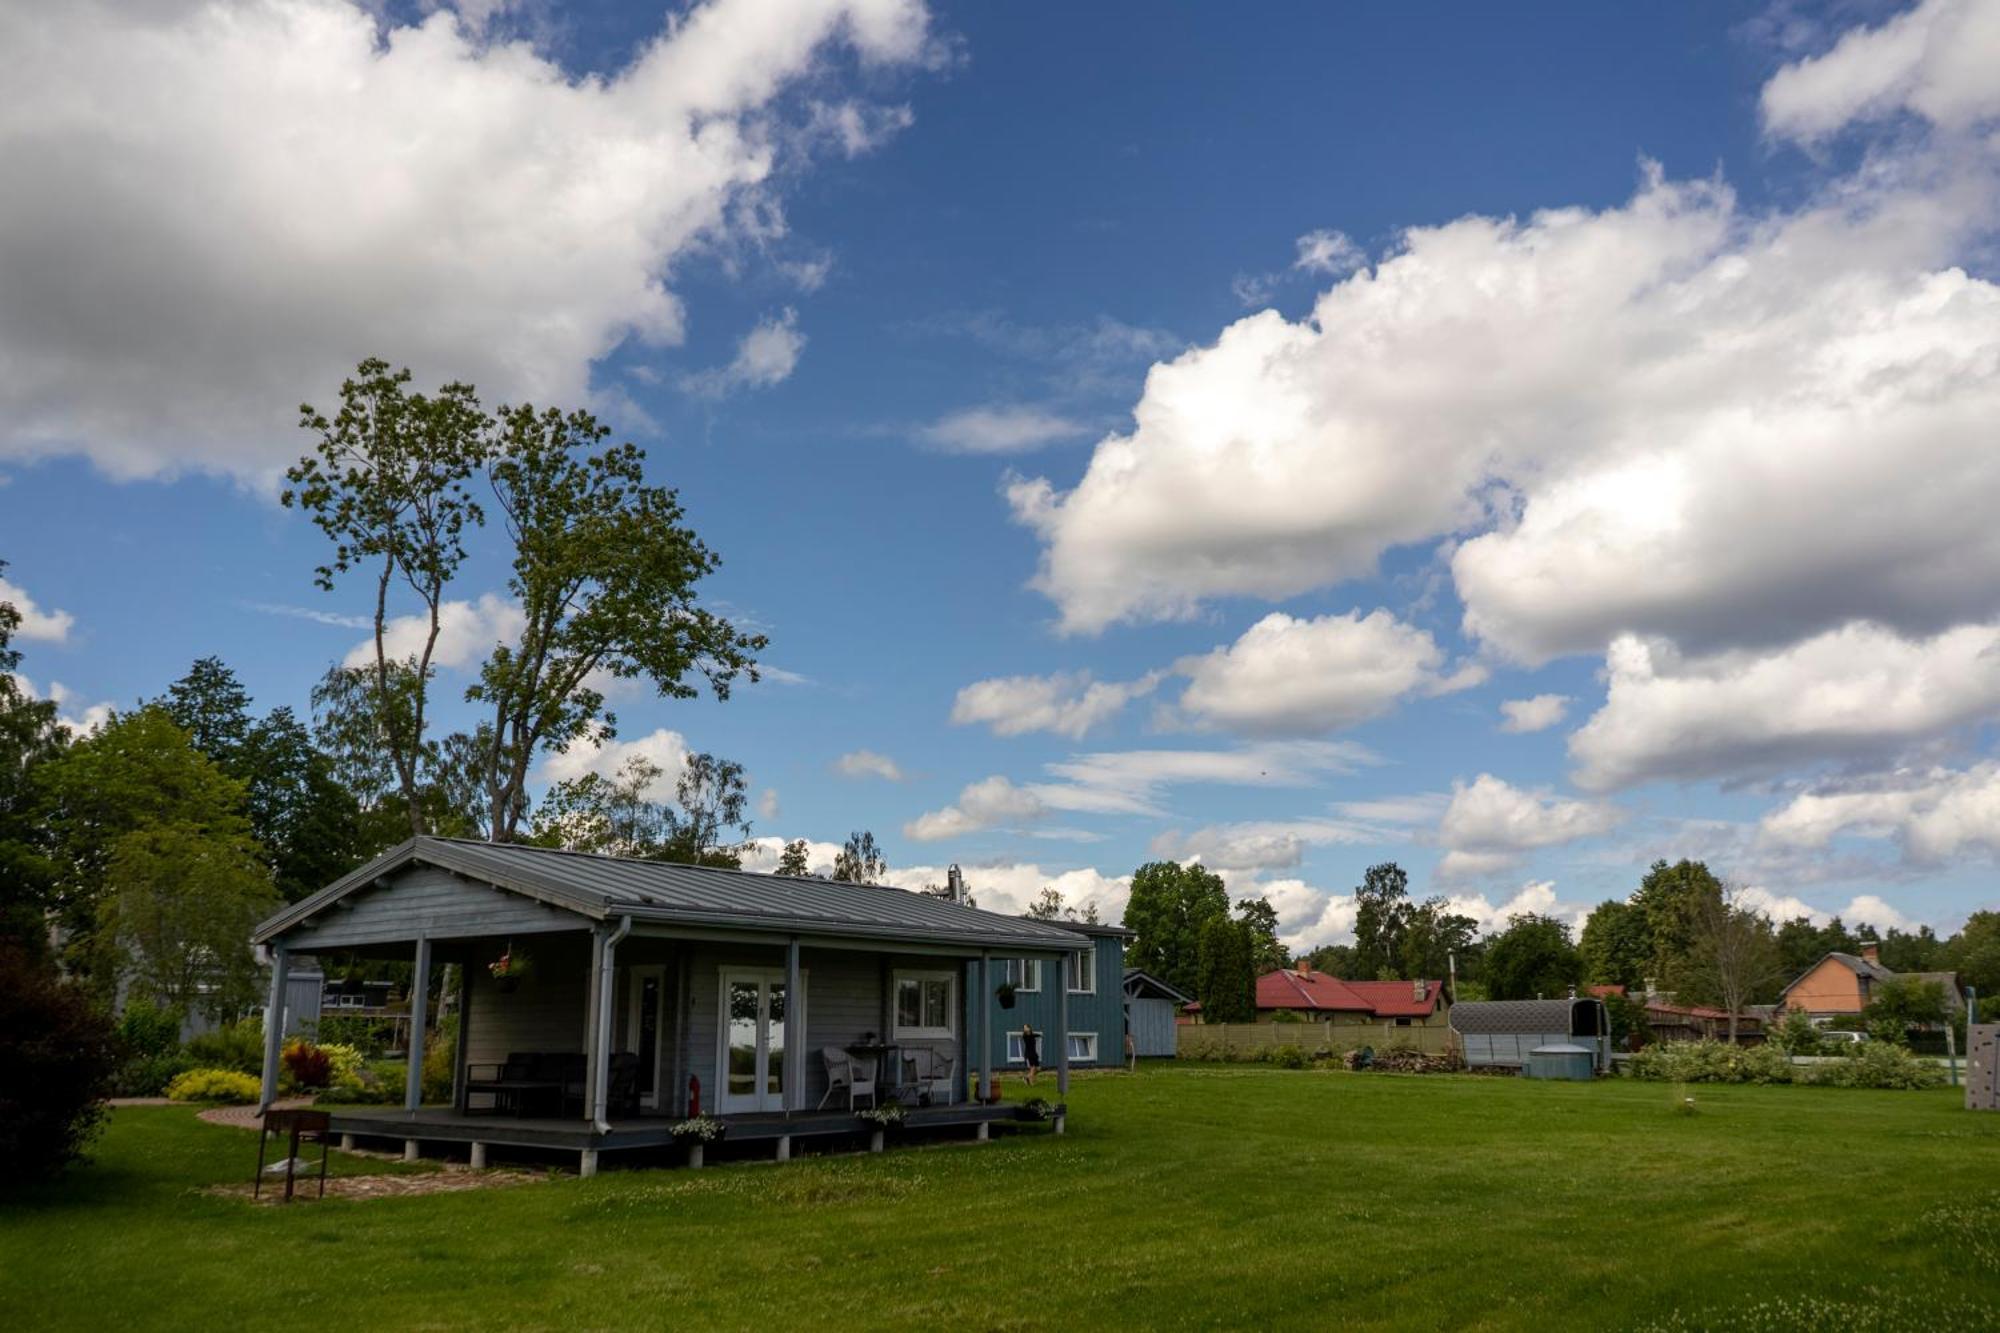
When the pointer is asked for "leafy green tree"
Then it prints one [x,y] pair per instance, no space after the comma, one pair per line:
[1432,936]
[1974,953]
[58,1051]
[1733,959]
[1225,979]
[1615,945]
[1906,951]
[712,796]
[1336,960]
[1801,943]
[1169,908]
[389,483]
[1381,916]
[1670,899]
[793,860]
[186,896]
[605,572]
[1048,906]
[351,737]
[860,861]
[30,736]
[612,816]
[1532,957]
[1261,920]
[210,704]
[1898,1005]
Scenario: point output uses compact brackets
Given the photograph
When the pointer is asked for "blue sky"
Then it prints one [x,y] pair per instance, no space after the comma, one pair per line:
[1691,459]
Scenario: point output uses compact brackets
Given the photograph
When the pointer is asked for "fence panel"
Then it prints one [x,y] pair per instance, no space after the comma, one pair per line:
[1241,1041]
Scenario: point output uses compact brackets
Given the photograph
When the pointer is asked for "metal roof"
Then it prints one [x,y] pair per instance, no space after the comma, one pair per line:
[1144,980]
[1502,1016]
[602,887]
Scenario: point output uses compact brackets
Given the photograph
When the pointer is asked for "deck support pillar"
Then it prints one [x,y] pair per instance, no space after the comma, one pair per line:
[586,1165]
[694,1156]
[409,1150]
[984,1132]
[458,1094]
[875,1141]
[347,1143]
[1062,1029]
[274,1025]
[784,1147]
[420,998]
[1059,1123]
[795,1036]
[478,1157]
[985,1027]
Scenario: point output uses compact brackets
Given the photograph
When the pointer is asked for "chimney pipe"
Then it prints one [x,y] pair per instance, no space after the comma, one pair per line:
[1419,991]
[1873,953]
[955,880]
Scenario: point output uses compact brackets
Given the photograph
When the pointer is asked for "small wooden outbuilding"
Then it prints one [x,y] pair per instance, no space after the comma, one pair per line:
[1504,1033]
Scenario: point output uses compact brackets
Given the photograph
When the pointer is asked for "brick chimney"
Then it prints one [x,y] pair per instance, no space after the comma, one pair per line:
[1872,953]
[1304,967]
[1420,991]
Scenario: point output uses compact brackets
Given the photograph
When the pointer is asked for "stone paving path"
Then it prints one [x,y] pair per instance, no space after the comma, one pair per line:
[247,1117]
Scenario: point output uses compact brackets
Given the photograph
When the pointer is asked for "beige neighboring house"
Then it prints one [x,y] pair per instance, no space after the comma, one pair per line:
[1842,984]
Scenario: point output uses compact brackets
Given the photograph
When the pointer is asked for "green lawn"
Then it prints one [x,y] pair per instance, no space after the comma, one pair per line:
[1196,1196]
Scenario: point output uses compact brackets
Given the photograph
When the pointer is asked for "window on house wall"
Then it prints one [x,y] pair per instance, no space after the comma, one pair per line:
[1083,1046]
[1025,973]
[1080,972]
[924,1004]
[1016,1053]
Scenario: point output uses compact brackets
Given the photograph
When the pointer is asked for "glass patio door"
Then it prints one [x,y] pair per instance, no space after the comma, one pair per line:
[753,1041]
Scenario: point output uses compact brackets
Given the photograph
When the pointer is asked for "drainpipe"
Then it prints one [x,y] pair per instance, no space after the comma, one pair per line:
[600,1091]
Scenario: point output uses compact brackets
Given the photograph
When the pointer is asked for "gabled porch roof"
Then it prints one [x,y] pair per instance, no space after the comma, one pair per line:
[602,888]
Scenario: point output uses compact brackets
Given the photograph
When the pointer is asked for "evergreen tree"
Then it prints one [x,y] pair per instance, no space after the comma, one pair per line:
[1225,971]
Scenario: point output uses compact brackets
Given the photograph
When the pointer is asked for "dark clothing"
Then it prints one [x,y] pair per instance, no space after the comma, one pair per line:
[1031,1049]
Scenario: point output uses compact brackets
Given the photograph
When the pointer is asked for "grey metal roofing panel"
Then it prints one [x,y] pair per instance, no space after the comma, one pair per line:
[602,886]
[1501,1016]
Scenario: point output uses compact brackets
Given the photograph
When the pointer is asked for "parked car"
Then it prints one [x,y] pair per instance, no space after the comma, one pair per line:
[1840,1037]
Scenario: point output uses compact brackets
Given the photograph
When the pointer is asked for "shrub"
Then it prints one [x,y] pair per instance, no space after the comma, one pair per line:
[148,1075]
[146,1029]
[370,1036]
[307,1064]
[214,1085]
[344,1064]
[57,1055]
[1285,1016]
[1710,1062]
[1875,1065]
[439,1054]
[1797,1035]
[1287,1057]
[238,1046]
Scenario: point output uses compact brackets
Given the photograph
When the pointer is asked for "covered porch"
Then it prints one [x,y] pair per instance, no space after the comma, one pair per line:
[640,1007]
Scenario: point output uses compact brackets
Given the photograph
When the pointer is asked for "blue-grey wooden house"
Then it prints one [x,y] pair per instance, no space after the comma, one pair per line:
[1083,998]
[637,990]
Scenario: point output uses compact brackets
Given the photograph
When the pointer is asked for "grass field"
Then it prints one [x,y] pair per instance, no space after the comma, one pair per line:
[1195,1196]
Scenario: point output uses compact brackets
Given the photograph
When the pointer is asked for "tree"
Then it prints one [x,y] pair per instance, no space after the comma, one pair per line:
[712,796]
[859,861]
[1532,958]
[605,574]
[1616,946]
[1170,906]
[1432,936]
[1670,899]
[210,704]
[136,773]
[1261,920]
[1974,953]
[1733,955]
[1904,951]
[349,732]
[59,1053]
[611,816]
[30,736]
[388,483]
[1225,979]
[1801,943]
[1381,915]
[1903,1003]
[187,895]
[1336,960]
[1048,906]
[792,861]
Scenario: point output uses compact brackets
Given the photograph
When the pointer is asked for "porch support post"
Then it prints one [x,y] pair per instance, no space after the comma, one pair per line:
[795,1035]
[274,1025]
[1062,1027]
[985,1025]
[458,1092]
[591,1056]
[420,998]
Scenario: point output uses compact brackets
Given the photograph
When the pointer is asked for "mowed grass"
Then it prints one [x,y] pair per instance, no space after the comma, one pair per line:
[1190,1196]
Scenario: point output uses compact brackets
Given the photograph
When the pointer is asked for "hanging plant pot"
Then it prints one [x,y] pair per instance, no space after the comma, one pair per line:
[1005,994]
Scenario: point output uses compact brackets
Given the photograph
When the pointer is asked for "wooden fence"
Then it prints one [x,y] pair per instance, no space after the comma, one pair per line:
[1242,1041]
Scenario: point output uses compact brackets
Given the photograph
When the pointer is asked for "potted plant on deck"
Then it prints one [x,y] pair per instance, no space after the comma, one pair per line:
[697,1132]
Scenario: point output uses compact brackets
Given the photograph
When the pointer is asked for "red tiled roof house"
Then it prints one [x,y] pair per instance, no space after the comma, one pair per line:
[1320,998]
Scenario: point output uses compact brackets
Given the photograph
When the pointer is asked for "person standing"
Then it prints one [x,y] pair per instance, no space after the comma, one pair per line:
[1031,1051]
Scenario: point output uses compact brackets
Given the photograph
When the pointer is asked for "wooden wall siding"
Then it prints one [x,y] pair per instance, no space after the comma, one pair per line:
[1102,1013]
[1152,1023]
[545,1012]
[423,900]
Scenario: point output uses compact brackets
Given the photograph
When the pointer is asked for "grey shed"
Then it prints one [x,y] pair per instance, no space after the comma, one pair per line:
[1504,1033]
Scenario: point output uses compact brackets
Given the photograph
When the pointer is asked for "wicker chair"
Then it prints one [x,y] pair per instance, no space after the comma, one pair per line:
[844,1071]
[933,1073]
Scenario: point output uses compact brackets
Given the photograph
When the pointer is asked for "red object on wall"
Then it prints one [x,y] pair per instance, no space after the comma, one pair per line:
[694,1096]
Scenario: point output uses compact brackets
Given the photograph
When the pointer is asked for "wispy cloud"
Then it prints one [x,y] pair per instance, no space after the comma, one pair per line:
[308,613]
[1002,429]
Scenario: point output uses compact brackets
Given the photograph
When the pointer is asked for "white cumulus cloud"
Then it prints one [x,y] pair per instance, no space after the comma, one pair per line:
[1536,714]
[1490,824]
[271,191]
[765,356]
[1936,815]
[1007,429]
[48,626]
[668,750]
[868,764]
[467,632]
[1936,60]
[1065,703]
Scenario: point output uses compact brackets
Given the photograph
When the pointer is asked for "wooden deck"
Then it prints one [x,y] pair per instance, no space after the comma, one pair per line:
[441,1125]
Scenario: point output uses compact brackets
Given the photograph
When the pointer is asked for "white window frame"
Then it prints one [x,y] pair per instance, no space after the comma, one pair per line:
[1085,963]
[923,1033]
[1016,1053]
[1089,1053]
[1026,974]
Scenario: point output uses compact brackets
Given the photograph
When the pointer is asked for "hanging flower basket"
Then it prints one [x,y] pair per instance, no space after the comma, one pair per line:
[1005,994]
[508,969]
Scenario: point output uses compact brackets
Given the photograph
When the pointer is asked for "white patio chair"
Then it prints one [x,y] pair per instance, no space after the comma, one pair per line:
[932,1073]
[843,1071]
